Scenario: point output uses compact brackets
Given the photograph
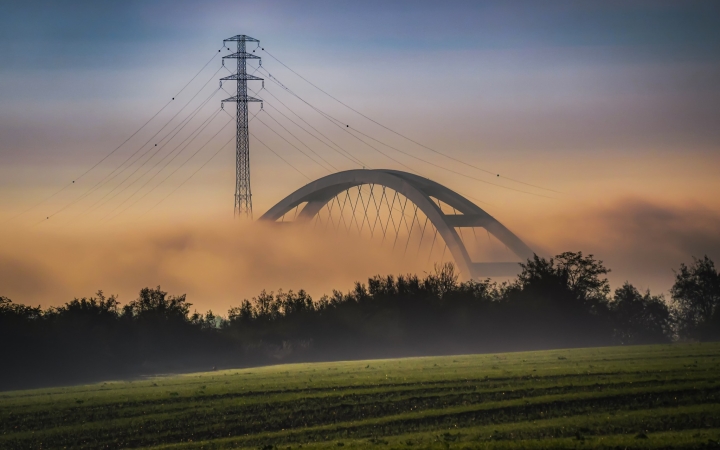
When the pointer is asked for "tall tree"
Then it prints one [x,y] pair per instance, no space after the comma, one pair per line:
[696,294]
[562,300]
[640,318]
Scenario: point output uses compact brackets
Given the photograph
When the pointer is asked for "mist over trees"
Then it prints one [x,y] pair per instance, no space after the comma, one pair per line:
[564,301]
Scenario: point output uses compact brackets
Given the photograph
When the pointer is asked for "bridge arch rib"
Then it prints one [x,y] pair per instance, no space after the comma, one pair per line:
[421,192]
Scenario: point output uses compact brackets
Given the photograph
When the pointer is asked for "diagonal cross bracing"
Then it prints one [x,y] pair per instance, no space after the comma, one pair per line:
[424,196]
[243,192]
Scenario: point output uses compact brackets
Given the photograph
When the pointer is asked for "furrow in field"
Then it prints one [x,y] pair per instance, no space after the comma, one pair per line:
[385,420]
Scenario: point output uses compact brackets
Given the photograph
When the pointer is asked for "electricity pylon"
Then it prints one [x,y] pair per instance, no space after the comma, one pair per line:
[243,194]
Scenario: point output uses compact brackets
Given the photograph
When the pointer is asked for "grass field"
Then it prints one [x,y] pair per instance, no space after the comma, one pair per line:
[622,397]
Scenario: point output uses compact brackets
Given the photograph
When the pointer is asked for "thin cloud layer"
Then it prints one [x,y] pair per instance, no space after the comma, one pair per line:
[216,265]
[219,265]
[640,240]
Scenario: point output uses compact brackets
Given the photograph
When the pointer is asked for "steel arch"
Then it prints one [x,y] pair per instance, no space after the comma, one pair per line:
[418,190]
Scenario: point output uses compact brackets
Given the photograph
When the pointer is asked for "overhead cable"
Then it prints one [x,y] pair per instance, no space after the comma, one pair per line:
[116,148]
[171,173]
[346,128]
[102,182]
[341,151]
[197,170]
[182,146]
[175,131]
[402,135]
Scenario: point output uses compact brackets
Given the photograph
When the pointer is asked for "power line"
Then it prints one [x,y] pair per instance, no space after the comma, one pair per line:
[361,163]
[184,122]
[294,146]
[402,135]
[342,151]
[296,138]
[302,142]
[103,181]
[337,124]
[172,132]
[311,149]
[171,173]
[188,178]
[445,168]
[116,148]
[347,129]
[196,75]
[197,170]
[291,134]
[196,133]
[283,159]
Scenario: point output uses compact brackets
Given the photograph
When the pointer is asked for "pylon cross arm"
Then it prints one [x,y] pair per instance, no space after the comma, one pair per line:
[241,37]
[244,99]
[241,55]
[243,194]
[246,76]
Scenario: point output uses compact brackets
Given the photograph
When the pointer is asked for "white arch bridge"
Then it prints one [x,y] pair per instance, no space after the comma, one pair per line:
[411,214]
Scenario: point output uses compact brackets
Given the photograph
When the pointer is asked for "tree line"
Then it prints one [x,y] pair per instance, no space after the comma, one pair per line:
[565,301]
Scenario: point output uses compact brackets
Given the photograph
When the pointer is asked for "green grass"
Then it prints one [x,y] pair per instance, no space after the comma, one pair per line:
[625,397]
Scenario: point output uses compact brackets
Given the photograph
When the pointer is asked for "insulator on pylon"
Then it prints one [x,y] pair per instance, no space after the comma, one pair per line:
[223,63]
[263,84]
[221,84]
[222,105]
[261,105]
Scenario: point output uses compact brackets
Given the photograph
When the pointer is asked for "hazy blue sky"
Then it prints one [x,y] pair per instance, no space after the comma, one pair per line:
[614,103]
[92,54]
[119,58]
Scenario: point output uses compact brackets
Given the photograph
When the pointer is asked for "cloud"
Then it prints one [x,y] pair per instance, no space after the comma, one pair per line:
[18,275]
[216,265]
[640,240]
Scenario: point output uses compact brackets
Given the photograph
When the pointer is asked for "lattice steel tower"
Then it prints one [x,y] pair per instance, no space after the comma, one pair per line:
[243,194]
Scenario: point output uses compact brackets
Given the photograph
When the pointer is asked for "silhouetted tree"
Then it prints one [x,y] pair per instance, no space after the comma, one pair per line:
[17,322]
[640,318]
[156,304]
[558,302]
[696,294]
[562,301]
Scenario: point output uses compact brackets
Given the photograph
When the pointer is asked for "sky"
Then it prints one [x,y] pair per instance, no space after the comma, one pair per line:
[610,107]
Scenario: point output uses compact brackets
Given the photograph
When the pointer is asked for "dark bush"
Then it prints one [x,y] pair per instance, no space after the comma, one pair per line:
[558,302]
